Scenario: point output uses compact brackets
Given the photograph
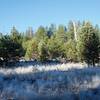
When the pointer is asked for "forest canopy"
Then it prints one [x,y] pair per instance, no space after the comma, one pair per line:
[76,42]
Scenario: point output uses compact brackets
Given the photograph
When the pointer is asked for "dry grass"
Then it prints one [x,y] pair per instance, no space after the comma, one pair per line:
[58,82]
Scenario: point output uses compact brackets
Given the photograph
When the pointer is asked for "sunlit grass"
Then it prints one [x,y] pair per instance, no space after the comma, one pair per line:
[27,83]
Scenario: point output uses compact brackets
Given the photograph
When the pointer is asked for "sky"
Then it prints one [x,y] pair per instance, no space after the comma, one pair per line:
[33,13]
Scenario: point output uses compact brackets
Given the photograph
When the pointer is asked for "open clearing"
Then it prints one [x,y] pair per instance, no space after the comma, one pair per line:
[50,82]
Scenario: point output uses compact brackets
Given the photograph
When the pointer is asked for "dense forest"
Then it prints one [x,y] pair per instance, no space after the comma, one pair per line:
[76,42]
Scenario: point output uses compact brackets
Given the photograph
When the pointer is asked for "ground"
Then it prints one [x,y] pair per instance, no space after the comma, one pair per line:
[50,82]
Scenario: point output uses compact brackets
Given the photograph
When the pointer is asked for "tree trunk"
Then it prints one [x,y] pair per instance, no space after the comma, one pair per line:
[93,63]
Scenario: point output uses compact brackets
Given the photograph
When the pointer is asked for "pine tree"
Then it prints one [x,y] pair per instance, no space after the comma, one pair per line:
[9,50]
[41,34]
[88,45]
[31,48]
[61,34]
[42,51]
[70,50]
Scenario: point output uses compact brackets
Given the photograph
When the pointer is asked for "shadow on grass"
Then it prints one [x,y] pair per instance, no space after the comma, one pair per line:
[32,63]
[70,82]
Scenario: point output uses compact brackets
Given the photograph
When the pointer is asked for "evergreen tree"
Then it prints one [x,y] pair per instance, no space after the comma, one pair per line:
[15,35]
[31,48]
[41,34]
[88,45]
[9,49]
[61,34]
[70,32]
[55,49]
[70,50]
[42,51]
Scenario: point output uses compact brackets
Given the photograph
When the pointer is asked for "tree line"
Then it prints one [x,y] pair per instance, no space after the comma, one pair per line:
[76,42]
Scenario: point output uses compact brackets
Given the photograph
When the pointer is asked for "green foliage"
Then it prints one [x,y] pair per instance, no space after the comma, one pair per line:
[53,43]
[31,48]
[15,35]
[61,34]
[88,44]
[41,34]
[54,48]
[70,50]
[42,51]
[70,32]
[9,49]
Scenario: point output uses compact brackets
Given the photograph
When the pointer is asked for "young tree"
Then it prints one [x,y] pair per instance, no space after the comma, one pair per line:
[31,48]
[9,49]
[88,45]
[41,34]
[70,32]
[70,50]
[15,36]
[42,51]
[61,35]
[55,49]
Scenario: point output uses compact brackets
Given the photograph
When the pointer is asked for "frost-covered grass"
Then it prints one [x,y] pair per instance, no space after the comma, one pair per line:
[50,82]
